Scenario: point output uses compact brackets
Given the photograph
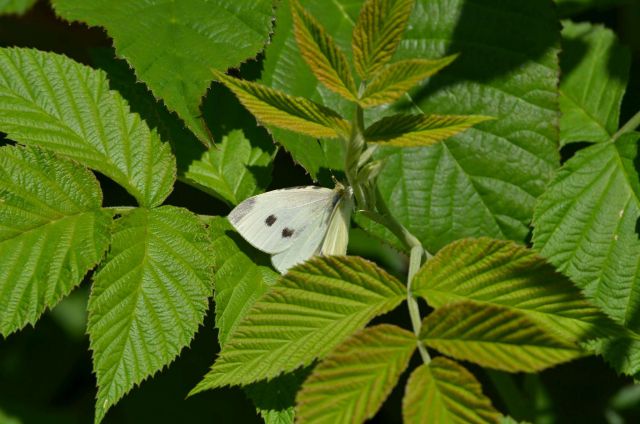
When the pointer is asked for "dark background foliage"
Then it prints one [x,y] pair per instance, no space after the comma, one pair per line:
[45,373]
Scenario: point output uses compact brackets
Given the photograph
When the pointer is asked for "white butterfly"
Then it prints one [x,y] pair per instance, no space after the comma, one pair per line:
[296,223]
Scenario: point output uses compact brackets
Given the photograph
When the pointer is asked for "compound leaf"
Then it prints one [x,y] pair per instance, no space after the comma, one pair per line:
[52,232]
[378,32]
[443,391]
[505,274]
[148,298]
[495,337]
[595,69]
[311,309]
[351,383]
[287,71]
[173,45]
[51,101]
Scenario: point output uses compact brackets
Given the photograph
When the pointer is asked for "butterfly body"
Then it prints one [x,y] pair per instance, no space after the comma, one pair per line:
[295,223]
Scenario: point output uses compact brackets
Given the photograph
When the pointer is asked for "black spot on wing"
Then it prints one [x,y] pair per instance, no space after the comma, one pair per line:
[271,219]
[287,232]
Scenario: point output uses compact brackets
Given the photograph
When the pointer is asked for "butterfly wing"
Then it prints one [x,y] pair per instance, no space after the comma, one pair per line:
[277,220]
[337,238]
[307,245]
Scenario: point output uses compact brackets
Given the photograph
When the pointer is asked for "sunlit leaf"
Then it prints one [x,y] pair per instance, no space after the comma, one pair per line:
[51,101]
[443,391]
[393,81]
[495,337]
[311,309]
[327,62]
[483,181]
[273,107]
[242,275]
[351,383]
[286,70]
[52,232]
[378,32]
[505,274]
[172,45]
[591,88]
[585,224]
[419,130]
[148,298]
[233,169]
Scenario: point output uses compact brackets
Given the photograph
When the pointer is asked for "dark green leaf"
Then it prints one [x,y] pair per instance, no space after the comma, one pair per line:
[173,45]
[595,69]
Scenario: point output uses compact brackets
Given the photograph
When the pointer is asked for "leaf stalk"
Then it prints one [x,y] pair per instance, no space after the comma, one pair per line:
[631,125]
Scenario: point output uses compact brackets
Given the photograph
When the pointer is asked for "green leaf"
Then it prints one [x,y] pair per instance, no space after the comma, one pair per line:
[378,32]
[148,298]
[505,274]
[311,309]
[232,170]
[393,81]
[404,130]
[173,45]
[185,145]
[444,391]
[495,337]
[242,275]
[275,399]
[595,70]
[585,225]
[327,62]
[351,383]
[483,181]
[279,109]
[287,71]
[52,232]
[51,101]
[621,353]
[18,7]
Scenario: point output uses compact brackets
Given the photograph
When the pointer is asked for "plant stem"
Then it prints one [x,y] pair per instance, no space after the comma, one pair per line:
[631,125]
[415,260]
[354,160]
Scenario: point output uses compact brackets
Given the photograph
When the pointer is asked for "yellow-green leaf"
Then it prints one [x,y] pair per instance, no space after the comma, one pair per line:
[273,107]
[405,130]
[394,80]
[445,392]
[495,337]
[350,384]
[327,62]
[308,312]
[509,275]
[378,32]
